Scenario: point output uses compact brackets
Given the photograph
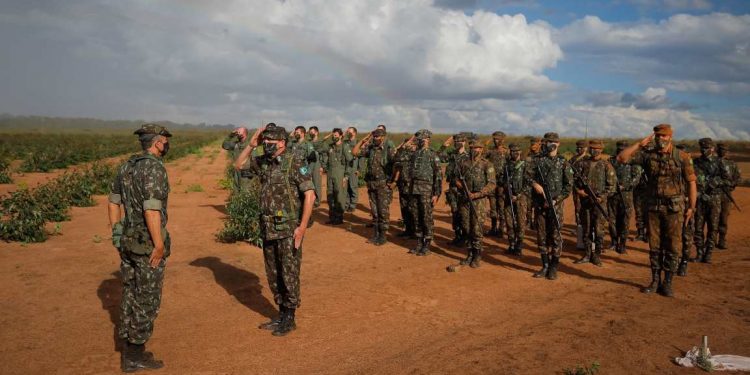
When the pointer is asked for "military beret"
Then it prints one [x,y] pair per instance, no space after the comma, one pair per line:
[623,143]
[706,142]
[476,143]
[596,144]
[277,133]
[423,134]
[581,143]
[498,134]
[551,137]
[378,133]
[663,129]
[155,129]
[722,146]
[514,147]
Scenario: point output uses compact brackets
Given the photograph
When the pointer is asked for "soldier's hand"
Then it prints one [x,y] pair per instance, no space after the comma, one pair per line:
[156,256]
[689,214]
[434,199]
[299,234]
[645,141]
[581,193]
[328,136]
[448,141]
[538,188]
[322,171]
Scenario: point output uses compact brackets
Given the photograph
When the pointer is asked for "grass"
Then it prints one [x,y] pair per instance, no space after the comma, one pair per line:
[583,370]
[194,188]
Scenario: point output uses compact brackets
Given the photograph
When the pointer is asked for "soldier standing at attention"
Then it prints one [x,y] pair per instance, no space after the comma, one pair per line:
[315,167]
[535,149]
[379,181]
[287,197]
[599,174]
[402,176]
[498,155]
[731,170]
[141,188]
[640,192]
[425,189]
[518,201]
[581,153]
[621,204]
[555,171]
[710,179]
[235,143]
[668,170]
[688,229]
[479,178]
[352,187]
[453,158]
[336,161]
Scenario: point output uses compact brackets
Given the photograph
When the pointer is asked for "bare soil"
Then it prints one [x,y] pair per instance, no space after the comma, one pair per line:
[365,309]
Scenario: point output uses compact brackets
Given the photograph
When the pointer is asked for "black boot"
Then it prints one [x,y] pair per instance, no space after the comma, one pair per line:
[545,266]
[273,323]
[596,256]
[552,272]
[468,259]
[666,287]
[416,249]
[707,255]
[135,357]
[287,323]
[425,250]
[698,255]
[655,282]
[493,228]
[375,235]
[722,245]
[381,240]
[682,270]
[641,235]
[586,257]
[476,259]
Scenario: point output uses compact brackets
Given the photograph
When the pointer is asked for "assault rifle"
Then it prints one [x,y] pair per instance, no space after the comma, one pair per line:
[729,196]
[548,199]
[465,190]
[593,197]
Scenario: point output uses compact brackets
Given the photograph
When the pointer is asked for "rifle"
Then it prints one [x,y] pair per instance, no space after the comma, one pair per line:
[724,190]
[593,197]
[548,199]
[465,190]
[509,190]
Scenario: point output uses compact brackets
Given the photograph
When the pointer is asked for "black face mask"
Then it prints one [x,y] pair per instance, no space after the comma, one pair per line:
[421,143]
[165,149]
[269,149]
[336,138]
[595,152]
[706,152]
[661,143]
[297,137]
[460,145]
[475,154]
[548,148]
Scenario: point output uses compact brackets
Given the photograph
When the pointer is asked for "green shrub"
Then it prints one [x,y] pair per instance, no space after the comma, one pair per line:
[21,218]
[52,201]
[5,172]
[243,221]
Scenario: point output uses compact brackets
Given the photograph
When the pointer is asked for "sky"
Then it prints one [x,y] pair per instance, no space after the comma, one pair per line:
[580,68]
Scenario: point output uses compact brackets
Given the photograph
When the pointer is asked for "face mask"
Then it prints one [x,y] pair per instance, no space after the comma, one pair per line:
[497,142]
[595,152]
[377,142]
[269,149]
[336,138]
[661,143]
[165,149]
[421,143]
[515,155]
[548,148]
[460,145]
[475,153]
[706,152]
[297,136]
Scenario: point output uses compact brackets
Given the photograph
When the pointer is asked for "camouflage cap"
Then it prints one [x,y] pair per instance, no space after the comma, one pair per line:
[378,133]
[154,129]
[514,147]
[596,144]
[581,143]
[459,137]
[663,129]
[623,144]
[475,142]
[551,137]
[722,146]
[706,142]
[533,140]
[423,134]
[276,133]
[498,134]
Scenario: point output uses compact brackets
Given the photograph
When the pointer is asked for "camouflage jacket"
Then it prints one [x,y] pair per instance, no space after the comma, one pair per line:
[304,150]
[666,173]
[627,175]
[338,159]
[426,173]
[479,175]
[711,178]
[357,164]
[451,158]
[380,161]
[402,166]
[516,175]
[233,144]
[141,184]
[732,171]
[557,173]
[283,182]
[498,157]
[599,173]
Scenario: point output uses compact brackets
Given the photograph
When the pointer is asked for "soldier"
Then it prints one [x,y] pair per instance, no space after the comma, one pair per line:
[688,230]
[352,188]
[315,167]
[667,170]
[640,192]
[453,158]
[235,142]
[731,170]
[711,179]
[379,179]
[498,155]
[621,204]
[336,161]
[581,153]
[287,197]
[596,172]
[535,147]
[424,190]
[553,170]
[516,198]
[402,176]
[141,188]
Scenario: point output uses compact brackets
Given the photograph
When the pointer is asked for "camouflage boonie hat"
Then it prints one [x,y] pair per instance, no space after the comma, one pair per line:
[663,129]
[514,147]
[423,134]
[459,137]
[596,144]
[722,146]
[622,144]
[551,137]
[706,142]
[154,129]
[276,133]
[498,134]
[581,143]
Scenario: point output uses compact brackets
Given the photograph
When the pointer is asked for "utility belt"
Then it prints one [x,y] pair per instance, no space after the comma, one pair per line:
[279,225]
[674,203]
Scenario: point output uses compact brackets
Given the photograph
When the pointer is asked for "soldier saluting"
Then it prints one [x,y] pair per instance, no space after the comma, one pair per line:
[425,189]
[667,170]
[287,197]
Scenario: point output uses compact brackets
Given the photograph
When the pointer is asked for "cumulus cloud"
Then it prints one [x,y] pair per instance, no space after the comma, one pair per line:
[651,98]
[674,5]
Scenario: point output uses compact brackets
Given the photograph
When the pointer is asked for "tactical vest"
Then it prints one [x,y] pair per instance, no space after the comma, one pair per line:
[378,168]
[664,173]
[473,173]
[279,200]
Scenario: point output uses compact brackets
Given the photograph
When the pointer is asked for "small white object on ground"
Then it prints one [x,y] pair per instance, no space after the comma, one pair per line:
[722,362]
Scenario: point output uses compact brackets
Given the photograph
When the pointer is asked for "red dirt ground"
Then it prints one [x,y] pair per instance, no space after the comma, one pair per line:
[365,309]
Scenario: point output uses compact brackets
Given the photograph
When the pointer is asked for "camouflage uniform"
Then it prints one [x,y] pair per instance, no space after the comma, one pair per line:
[621,204]
[141,184]
[599,173]
[576,200]
[733,172]
[337,161]
[403,168]
[318,149]
[452,158]
[535,145]
[479,175]
[558,175]
[640,208]
[426,182]
[498,155]
[352,186]
[711,178]
[379,174]
[305,150]
[688,232]
[233,144]
[516,177]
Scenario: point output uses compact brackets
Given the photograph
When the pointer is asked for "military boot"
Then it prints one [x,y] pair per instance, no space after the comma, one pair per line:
[425,250]
[552,272]
[493,228]
[596,256]
[698,255]
[665,289]
[273,323]
[135,358]
[418,247]
[655,282]
[545,266]
[682,269]
[707,255]
[641,235]
[287,323]
[476,259]
[375,235]
[381,240]
[585,258]
[469,258]
[722,245]
[518,249]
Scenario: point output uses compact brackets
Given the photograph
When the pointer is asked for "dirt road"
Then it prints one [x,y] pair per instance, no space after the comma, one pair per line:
[364,309]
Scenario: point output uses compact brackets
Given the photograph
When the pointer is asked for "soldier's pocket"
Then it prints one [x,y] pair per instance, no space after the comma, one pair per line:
[136,242]
[676,204]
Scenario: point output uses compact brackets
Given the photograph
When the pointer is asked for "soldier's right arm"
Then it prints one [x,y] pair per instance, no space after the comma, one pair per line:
[229,142]
[115,200]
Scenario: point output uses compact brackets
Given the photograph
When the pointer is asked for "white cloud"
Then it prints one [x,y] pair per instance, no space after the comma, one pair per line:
[674,5]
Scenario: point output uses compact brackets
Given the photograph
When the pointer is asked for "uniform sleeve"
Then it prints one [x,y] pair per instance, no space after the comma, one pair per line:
[156,186]
[437,178]
[567,181]
[252,166]
[229,143]
[301,175]
[115,195]
[491,176]
[687,169]
[638,159]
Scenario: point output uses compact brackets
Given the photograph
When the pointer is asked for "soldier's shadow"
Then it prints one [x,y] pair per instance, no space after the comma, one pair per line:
[240,284]
[110,294]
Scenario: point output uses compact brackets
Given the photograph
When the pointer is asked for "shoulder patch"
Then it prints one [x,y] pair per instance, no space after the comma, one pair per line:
[303,170]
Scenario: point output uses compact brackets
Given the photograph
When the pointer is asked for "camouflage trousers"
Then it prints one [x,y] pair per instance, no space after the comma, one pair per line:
[707,212]
[620,212]
[548,239]
[282,263]
[497,207]
[336,192]
[640,209]
[726,207]
[451,197]
[141,296]
[421,208]
[473,223]
[380,201]
[352,192]
[665,221]
[688,231]
[592,221]
[517,227]
[577,208]
[317,182]
[406,214]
